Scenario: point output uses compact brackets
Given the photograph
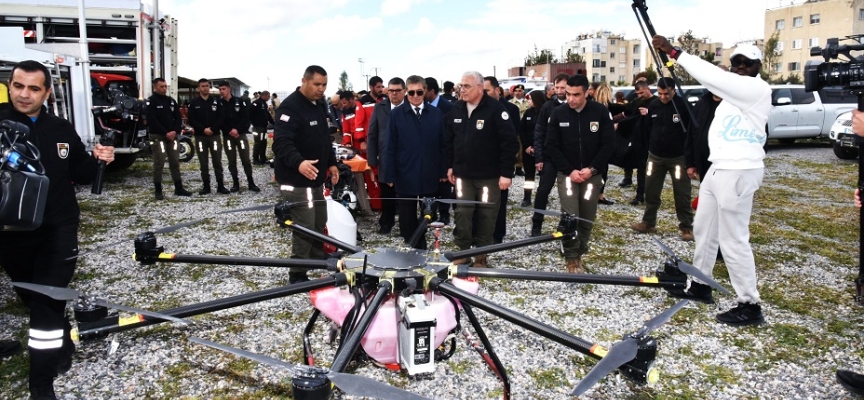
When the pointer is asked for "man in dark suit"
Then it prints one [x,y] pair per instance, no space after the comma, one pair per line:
[445,190]
[414,158]
[377,144]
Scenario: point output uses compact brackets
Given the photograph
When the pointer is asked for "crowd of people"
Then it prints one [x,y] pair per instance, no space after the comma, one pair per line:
[467,141]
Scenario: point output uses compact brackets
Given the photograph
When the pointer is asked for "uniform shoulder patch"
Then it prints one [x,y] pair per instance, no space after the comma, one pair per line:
[504,115]
[284,118]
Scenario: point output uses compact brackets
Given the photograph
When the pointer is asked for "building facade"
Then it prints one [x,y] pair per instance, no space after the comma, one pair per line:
[609,57]
[704,47]
[808,24]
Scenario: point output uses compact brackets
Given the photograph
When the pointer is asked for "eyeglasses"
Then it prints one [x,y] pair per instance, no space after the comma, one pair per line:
[415,92]
[465,87]
[518,90]
[746,61]
[394,90]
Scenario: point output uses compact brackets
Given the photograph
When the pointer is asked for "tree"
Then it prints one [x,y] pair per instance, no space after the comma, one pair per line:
[572,57]
[544,56]
[344,83]
[690,45]
[650,75]
[770,56]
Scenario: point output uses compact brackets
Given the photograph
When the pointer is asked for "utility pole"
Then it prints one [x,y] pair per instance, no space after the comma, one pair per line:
[375,71]
[362,74]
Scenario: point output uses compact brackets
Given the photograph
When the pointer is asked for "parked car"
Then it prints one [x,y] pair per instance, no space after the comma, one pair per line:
[844,143]
[798,114]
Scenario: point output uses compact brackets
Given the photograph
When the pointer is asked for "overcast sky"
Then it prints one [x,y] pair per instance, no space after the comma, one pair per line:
[278,39]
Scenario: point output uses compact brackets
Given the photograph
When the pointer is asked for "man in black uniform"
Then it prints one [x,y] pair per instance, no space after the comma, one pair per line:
[260,116]
[42,256]
[378,145]
[235,125]
[547,172]
[492,89]
[481,152]
[205,113]
[579,144]
[303,157]
[668,151]
[165,123]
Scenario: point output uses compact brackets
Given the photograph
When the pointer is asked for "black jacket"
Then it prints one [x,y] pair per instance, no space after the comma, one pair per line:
[235,115]
[65,160]
[259,114]
[667,137]
[301,133]
[484,145]
[540,129]
[163,115]
[577,140]
[704,112]
[512,110]
[527,125]
[376,140]
[205,114]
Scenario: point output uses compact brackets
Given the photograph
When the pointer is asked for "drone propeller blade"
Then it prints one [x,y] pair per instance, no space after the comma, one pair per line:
[691,270]
[362,386]
[697,273]
[243,353]
[665,316]
[172,228]
[98,248]
[56,293]
[454,201]
[551,213]
[142,312]
[253,208]
[620,354]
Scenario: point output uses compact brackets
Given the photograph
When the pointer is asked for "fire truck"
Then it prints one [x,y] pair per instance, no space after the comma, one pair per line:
[102,60]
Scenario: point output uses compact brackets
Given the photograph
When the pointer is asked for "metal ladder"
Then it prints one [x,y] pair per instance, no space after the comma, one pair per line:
[61,103]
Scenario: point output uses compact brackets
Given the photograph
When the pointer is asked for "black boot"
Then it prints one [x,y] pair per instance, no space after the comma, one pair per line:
[205,189]
[158,190]
[236,187]
[179,191]
[221,189]
[252,186]
[526,199]
[536,229]
[637,201]
[696,292]
[9,348]
[853,382]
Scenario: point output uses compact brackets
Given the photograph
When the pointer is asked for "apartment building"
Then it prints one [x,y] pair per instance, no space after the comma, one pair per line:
[704,47]
[608,57]
[801,25]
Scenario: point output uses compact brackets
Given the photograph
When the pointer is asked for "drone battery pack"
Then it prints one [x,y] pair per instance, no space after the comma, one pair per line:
[22,200]
[416,335]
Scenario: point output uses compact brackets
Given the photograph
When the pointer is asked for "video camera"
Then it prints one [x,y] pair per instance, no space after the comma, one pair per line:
[23,184]
[848,74]
[122,105]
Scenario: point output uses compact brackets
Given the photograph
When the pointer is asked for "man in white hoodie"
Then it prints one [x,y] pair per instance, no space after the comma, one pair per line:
[736,139]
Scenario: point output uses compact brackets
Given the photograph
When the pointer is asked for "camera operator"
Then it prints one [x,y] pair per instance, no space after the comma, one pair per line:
[854,382]
[736,139]
[42,256]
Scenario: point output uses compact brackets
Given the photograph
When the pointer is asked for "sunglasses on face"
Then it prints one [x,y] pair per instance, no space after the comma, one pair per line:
[415,92]
[394,90]
[745,61]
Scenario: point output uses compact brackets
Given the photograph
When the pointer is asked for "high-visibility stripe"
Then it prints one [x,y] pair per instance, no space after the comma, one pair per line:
[288,188]
[650,167]
[162,146]
[349,116]
[200,146]
[677,172]
[243,144]
[369,105]
[359,129]
[46,335]
[588,191]
[485,197]
[529,185]
[45,344]
[568,184]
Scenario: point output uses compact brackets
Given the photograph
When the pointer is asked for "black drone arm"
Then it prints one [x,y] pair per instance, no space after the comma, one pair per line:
[114,324]
[492,248]
[322,237]
[353,342]
[650,281]
[145,258]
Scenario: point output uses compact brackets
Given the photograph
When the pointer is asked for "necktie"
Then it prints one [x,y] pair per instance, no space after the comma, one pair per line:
[417,111]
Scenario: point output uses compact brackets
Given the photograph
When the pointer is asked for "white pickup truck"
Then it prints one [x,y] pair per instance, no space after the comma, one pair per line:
[798,114]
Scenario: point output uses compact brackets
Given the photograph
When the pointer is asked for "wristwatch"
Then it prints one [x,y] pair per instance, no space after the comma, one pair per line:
[594,171]
[676,51]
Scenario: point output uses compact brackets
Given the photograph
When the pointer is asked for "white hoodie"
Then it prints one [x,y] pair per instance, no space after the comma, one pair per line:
[737,134]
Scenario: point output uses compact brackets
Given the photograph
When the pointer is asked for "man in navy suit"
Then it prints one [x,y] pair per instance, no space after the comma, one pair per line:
[445,189]
[415,155]
[377,143]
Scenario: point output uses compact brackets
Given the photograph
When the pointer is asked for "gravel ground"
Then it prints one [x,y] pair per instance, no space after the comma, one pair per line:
[811,331]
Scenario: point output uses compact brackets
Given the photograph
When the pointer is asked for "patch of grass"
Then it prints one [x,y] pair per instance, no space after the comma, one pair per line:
[549,378]
[460,367]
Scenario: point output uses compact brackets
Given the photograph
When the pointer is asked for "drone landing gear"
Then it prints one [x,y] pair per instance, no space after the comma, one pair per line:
[486,351]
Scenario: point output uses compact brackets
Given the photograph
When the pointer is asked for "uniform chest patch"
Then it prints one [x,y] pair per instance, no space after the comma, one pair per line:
[479,124]
[675,118]
[63,150]
[563,124]
[313,123]
[595,126]
[457,121]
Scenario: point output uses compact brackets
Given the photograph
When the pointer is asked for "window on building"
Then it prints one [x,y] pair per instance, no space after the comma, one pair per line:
[779,24]
[861,13]
[595,77]
[612,55]
[595,63]
[796,44]
[622,65]
[602,78]
[602,64]
[814,19]
[613,41]
[595,48]
[621,78]
[636,49]
[814,41]
[780,46]
[797,22]
[612,70]
[636,63]
[777,67]
[622,50]
[794,66]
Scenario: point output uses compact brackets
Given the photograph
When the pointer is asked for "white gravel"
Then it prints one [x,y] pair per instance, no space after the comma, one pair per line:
[698,357]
